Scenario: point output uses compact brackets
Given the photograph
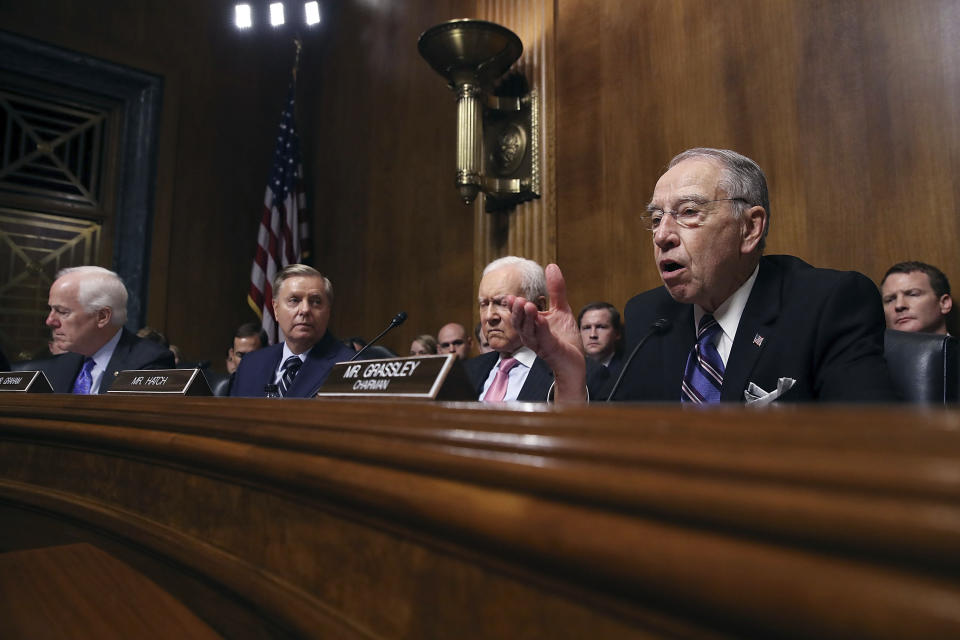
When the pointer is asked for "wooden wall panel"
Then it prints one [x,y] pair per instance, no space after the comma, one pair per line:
[530,229]
[849,106]
[392,233]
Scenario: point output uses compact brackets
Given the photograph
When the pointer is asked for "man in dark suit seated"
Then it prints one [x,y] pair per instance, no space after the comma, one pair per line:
[88,308]
[916,297]
[601,333]
[298,366]
[248,337]
[511,371]
[729,324]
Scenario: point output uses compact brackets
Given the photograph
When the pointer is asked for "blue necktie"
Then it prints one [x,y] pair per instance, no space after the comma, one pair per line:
[291,366]
[84,379]
[703,377]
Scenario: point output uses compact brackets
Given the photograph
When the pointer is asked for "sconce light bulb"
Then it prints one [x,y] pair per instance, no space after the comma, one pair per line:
[312,10]
[243,16]
[276,14]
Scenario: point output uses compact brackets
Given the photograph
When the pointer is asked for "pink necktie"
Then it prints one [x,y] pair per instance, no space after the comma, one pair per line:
[498,389]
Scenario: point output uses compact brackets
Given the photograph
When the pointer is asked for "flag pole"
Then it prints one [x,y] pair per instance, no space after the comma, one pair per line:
[284,234]
[298,43]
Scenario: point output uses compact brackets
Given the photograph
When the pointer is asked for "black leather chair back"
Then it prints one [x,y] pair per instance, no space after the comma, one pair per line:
[924,366]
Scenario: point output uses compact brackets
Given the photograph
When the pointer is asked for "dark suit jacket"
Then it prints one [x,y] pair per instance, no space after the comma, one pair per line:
[258,368]
[131,353]
[599,376]
[535,387]
[823,328]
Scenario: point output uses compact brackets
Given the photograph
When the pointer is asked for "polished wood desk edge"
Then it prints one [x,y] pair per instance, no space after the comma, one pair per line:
[539,503]
[299,611]
[862,500]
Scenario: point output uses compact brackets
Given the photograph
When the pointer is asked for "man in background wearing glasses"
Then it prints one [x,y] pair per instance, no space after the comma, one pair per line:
[729,324]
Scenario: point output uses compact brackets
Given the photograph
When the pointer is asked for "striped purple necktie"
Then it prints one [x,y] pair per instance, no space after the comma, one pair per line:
[703,377]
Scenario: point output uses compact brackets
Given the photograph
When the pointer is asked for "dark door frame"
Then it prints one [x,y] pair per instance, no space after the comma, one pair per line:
[140,94]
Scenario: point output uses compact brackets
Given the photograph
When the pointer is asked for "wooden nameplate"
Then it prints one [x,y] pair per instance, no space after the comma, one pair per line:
[179,382]
[25,382]
[418,377]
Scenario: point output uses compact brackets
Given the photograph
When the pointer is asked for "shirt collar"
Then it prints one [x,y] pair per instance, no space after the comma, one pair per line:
[523,355]
[287,353]
[728,314]
[104,353]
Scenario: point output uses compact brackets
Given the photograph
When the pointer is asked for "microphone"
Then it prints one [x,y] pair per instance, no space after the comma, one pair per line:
[659,327]
[396,322]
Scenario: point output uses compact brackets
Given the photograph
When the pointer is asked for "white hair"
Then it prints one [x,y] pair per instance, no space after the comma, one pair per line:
[100,288]
[533,282]
[741,178]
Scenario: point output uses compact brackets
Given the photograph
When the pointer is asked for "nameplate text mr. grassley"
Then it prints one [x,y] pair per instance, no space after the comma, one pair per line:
[377,375]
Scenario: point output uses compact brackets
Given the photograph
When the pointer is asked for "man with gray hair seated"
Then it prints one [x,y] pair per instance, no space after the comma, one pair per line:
[88,308]
[298,366]
[729,324]
[511,371]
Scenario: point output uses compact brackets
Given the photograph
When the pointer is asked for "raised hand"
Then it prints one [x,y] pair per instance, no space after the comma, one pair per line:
[554,336]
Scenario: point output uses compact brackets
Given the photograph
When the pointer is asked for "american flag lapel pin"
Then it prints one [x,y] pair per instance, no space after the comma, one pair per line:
[758,340]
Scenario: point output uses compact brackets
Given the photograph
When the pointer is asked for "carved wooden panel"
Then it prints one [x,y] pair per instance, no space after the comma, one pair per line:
[53,149]
[530,230]
[33,247]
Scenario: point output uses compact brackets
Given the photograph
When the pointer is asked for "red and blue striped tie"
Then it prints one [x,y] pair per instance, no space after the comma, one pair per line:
[703,377]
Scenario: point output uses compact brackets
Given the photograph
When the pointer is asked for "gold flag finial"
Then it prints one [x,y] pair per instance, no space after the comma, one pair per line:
[296,61]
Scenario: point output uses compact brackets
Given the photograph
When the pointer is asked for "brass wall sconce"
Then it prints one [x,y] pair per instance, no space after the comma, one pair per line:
[498,133]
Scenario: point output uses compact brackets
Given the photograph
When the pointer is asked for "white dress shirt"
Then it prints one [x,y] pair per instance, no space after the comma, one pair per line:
[517,376]
[728,316]
[100,361]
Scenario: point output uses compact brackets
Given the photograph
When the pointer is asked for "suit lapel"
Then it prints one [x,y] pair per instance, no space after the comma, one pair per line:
[478,369]
[322,355]
[120,355]
[64,372]
[754,333]
[537,384]
[675,347]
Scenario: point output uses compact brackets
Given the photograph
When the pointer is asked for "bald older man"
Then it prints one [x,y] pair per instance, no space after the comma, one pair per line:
[88,308]
[453,338]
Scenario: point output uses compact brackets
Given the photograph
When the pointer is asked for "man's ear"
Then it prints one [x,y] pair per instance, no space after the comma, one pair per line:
[103,317]
[753,223]
[946,304]
[541,303]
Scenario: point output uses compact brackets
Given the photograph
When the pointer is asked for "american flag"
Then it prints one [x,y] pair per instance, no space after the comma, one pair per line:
[284,233]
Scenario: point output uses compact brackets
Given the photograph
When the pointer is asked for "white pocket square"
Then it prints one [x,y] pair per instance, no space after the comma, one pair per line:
[757,397]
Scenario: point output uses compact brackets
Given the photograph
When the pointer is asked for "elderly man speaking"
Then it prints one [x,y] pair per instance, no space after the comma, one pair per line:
[729,324]
[88,307]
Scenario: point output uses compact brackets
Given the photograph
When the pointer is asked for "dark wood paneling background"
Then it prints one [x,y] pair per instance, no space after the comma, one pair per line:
[380,129]
[851,106]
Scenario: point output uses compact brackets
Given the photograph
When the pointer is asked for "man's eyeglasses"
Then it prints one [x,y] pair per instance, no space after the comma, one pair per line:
[688,215]
[452,343]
